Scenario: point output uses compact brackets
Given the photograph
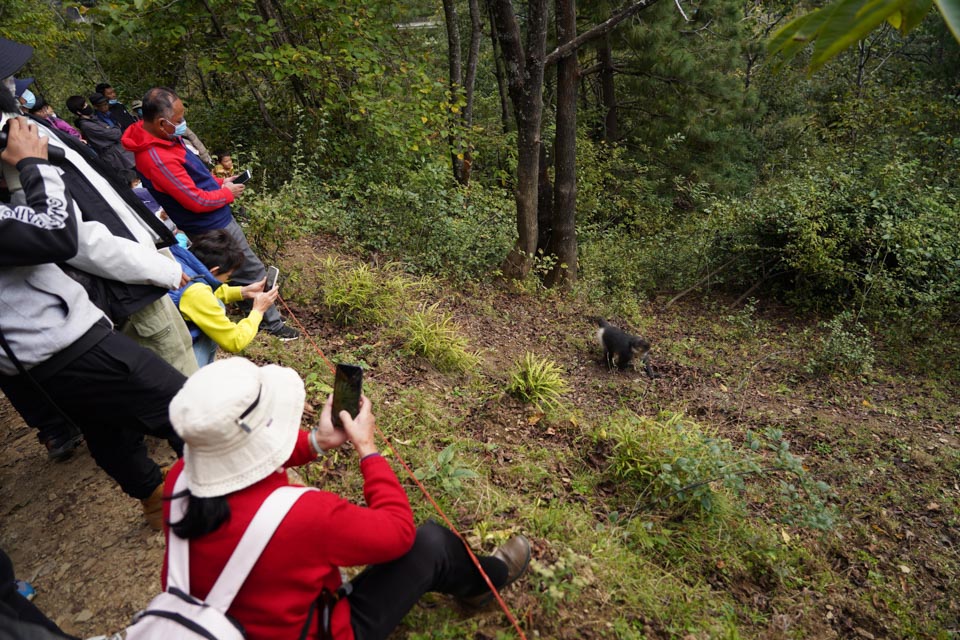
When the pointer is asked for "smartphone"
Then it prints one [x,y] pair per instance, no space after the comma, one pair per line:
[243,177]
[272,274]
[347,385]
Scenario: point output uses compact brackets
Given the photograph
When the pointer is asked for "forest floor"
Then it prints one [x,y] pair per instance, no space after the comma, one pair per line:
[610,564]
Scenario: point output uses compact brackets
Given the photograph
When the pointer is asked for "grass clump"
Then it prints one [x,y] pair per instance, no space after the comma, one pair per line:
[434,335]
[537,381]
[359,294]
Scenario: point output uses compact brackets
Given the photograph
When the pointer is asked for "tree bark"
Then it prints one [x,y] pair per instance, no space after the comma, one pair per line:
[544,204]
[499,70]
[563,240]
[611,129]
[524,66]
[473,56]
[454,70]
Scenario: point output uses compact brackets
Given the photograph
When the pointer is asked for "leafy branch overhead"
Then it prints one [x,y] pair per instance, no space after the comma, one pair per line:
[839,25]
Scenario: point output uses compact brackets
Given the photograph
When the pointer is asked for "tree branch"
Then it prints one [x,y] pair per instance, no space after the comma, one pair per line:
[601,29]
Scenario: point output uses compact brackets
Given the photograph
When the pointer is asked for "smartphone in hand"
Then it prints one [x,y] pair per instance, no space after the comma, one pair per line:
[347,385]
[243,177]
[272,275]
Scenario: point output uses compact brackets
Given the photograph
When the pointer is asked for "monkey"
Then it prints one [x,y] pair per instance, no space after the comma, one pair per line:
[619,347]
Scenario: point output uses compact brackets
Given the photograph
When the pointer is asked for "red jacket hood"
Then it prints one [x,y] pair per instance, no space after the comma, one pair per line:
[137,139]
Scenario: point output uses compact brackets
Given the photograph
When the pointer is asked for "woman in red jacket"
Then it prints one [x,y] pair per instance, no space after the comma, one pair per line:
[241,426]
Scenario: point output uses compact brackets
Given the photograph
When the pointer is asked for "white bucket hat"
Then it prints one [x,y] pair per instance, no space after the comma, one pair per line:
[239,422]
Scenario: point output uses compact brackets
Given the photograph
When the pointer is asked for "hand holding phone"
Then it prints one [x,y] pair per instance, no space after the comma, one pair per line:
[272,275]
[347,388]
[243,177]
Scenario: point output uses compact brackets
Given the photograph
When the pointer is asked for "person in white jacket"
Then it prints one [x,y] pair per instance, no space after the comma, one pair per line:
[120,260]
[59,352]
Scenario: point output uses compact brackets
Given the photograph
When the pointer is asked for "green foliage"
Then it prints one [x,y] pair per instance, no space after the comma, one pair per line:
[445,470]
[358,294]
[843,23]
[423,216]
[878,235]
[537,381]
[846,347]
[675,464]
[434,335]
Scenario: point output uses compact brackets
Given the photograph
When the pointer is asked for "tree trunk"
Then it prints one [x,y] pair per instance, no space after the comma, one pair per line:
[499,70]
[454,66]
[611,129]
[563,239]
[544,204]
[473,57]
[525,75]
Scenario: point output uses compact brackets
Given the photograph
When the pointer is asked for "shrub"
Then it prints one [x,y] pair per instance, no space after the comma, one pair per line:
[432,334]
[421,215]
[846,347]
[676,465]
[537,381]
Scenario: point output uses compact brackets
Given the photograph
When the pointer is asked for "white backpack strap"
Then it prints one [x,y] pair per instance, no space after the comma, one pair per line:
[178,549]
[251,545]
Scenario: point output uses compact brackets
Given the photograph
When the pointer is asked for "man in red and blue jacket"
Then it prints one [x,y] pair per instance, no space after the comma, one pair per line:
[195,199]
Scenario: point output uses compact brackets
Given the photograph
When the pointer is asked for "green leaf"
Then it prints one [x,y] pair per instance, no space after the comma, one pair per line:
[950,10]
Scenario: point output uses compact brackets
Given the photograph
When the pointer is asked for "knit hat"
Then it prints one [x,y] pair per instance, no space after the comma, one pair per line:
[13,56]
[239,422]
[97,98]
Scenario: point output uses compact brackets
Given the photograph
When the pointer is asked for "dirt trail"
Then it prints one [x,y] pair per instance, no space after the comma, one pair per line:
[72,533]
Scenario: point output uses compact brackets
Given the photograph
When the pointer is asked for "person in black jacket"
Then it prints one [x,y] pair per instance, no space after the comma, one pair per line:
[103,135]
[59,353]
[117,110]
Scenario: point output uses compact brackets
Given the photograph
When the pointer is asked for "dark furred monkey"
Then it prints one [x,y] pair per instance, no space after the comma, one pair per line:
[619,347]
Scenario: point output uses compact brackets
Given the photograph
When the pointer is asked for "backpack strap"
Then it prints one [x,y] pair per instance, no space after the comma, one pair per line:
[178,549]
[259,532]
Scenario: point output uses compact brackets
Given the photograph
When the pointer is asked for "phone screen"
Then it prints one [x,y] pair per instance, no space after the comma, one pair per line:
[243,177]
[272,274]
[346,392]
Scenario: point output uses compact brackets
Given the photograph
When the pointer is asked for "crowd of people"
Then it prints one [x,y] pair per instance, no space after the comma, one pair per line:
[118,253]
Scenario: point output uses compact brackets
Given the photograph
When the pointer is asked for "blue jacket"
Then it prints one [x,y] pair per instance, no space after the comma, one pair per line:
[197,272]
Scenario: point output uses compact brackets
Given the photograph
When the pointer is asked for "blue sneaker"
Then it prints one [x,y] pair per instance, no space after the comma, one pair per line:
[25,589]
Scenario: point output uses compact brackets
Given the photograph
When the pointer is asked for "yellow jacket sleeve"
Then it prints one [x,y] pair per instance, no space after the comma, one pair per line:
[199,304]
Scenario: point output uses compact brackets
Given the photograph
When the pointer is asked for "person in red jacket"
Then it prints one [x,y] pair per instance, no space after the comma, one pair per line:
[241,426]
[189,194]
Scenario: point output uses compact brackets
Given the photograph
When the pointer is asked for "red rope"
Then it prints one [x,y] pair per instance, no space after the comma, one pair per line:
[423,489]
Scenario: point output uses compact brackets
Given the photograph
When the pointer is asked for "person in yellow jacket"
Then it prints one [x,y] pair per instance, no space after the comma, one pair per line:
[209,262]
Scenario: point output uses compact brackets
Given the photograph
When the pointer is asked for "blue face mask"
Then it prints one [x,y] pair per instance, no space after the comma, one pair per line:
[29,100]
[179,129]
[113,101]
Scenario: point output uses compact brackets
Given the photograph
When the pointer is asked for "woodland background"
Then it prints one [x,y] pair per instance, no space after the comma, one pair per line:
[436,176]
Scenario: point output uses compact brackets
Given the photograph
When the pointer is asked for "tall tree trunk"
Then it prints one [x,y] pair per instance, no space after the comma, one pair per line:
[563,239]
[454,70]
[473,57]
[544,204]
[611,128]
[499,69]
[525,75]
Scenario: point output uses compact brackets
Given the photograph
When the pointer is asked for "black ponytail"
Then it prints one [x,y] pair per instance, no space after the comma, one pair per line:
[203,515]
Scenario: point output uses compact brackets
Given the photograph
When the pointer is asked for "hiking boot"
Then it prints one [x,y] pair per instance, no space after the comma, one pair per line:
[153,508]
[285,333]
[515,553]
[61,447]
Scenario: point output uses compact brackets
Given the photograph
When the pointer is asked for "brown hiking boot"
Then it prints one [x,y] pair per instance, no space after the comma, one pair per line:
[153,508]
[515,553]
